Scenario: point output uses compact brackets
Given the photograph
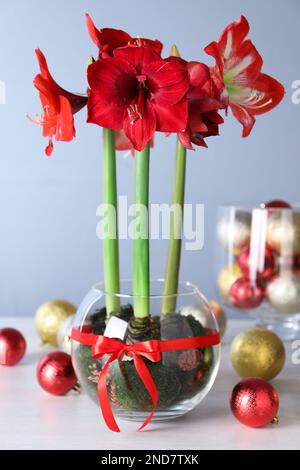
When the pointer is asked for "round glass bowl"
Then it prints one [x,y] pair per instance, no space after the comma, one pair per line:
[183,378]
[258,265]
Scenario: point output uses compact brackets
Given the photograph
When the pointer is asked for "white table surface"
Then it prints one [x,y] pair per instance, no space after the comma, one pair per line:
[32,419]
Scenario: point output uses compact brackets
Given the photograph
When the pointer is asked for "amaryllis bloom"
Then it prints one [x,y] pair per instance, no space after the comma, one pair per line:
[203,117]
[108,39]
[137,91]
[59,106]
[237,74]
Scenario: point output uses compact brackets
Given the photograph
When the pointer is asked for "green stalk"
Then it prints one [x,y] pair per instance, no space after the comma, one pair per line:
[110,242]
[175,242]
[141,239]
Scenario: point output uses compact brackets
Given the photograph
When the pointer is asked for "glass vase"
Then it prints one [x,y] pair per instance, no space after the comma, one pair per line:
[183,378]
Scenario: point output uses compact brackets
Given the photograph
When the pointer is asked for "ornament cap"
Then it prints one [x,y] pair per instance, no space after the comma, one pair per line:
[275,420]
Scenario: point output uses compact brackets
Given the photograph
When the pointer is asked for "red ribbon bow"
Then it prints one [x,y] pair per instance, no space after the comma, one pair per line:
[151,350]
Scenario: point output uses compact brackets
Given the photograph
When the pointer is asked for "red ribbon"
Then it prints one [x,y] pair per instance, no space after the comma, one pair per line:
[151,350]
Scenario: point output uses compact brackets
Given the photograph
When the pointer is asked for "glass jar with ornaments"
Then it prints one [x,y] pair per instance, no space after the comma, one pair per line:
[166,361]
[258,263]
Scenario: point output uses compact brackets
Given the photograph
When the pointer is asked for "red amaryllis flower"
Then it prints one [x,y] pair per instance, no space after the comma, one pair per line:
[58,105]
[237,74]
[137,91]
[108,39]
[203,118]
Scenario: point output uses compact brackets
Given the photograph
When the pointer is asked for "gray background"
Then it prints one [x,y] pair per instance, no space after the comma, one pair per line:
[48,243]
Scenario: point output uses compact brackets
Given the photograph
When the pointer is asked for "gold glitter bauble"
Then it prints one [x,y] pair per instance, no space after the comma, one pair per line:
[226,278]
[257,353]
[219,314]
[49,318]
[234,233]
[283,232]
[283,293]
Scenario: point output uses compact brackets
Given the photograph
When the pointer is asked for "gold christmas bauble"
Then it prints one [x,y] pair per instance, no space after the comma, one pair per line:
[49,318]
[220,315]
[283,293]
[234,232]
[227,276]
[64,334]
[283,232]
[258,353]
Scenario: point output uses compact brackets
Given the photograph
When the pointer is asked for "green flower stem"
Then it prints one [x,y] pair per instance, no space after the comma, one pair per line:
[176,221]
[110,242]
[141,239]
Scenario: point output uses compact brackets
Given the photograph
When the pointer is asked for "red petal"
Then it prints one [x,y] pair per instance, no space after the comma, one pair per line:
[121,140]
[200,79]
[105,114]
[185,139]
[244,66]
[213,50]
[229,42]
[233,36]
[142,130]
[214,117]
[244,117]
[197,139]
[65,123]
[171,118]
[138,56]
[107,38]
[49,148]
[114,80]
[156,45]
[45,83]
[167,81]
[266,93]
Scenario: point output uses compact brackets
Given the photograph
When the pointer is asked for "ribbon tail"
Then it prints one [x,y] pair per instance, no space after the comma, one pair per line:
[149,383]
[103,396]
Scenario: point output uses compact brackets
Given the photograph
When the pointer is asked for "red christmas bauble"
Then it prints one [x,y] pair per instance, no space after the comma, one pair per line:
[263,273]
[277,204]
[55,373]
[12,346]
[296,264]
[254,402]
[244,295]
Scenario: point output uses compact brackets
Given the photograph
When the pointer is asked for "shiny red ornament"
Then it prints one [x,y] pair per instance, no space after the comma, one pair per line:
[254,402]
[262,273]
[246,295]
[55,373]
[277,204]
[238,78]
[296,264]
[12,346]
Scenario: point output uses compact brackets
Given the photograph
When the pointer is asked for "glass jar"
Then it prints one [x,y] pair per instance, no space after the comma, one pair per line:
[183,378]
[258,265]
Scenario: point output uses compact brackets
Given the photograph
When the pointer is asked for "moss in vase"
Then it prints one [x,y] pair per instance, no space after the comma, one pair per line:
[98,318]
[89,368]
[128,391]
[195,325]
[174,325]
